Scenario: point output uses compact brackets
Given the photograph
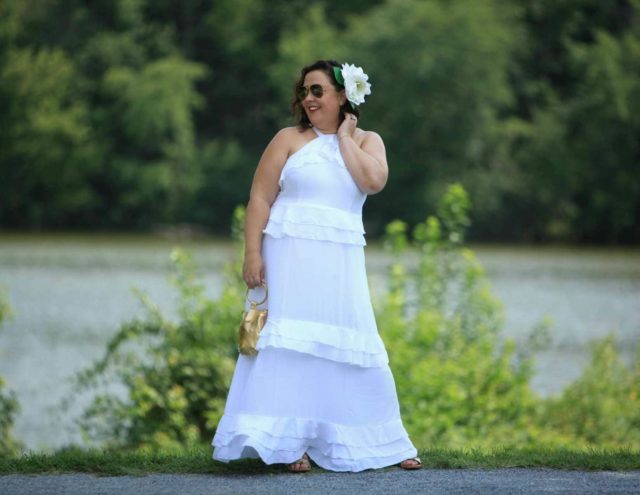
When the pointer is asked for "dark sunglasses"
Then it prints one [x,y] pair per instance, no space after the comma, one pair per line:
[317,90]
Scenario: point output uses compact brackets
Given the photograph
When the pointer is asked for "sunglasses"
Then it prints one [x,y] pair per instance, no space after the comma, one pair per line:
[317,90]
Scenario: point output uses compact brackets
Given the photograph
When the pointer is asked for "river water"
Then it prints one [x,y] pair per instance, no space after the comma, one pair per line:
[69,294]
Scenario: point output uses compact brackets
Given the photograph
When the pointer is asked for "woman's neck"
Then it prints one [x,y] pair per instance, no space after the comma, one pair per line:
[327,129]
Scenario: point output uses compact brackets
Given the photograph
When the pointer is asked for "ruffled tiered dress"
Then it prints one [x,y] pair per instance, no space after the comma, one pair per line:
[321,381]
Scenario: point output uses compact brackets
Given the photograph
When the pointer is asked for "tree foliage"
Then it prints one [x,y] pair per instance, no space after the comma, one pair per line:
[132,113]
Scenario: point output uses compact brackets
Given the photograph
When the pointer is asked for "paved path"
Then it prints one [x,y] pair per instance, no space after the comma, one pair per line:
[432,481]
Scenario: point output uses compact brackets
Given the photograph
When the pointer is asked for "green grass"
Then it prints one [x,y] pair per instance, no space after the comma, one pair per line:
[102,462]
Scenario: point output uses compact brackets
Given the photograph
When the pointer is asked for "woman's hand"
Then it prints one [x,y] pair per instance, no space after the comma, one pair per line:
[253,270]
[348,126]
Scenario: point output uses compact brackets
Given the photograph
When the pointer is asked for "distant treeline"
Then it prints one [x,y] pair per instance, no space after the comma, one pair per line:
[127,114]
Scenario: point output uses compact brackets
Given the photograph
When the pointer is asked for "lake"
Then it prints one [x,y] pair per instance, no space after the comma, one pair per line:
[69,294]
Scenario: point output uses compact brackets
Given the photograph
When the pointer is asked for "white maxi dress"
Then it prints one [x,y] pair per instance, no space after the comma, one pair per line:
[321,381]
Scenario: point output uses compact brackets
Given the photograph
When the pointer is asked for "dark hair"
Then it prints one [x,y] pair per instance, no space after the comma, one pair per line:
[326,66]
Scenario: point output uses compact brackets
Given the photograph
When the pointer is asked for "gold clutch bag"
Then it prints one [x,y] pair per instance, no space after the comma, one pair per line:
[252,322]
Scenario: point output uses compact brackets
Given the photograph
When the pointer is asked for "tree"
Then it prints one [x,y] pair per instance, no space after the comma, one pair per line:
[438,74]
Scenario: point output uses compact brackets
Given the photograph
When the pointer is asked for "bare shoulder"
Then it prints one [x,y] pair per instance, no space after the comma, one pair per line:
[265,182]
[279,144]
[284,143]
[369,139]
[296,138]
[288,131]
[284,135]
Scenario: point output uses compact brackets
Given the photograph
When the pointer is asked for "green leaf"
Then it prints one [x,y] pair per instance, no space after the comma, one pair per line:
[338,73]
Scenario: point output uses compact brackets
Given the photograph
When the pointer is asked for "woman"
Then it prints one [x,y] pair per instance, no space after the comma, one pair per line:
[320,384]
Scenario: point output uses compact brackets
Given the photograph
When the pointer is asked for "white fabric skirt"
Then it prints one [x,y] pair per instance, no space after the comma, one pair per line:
[321,381]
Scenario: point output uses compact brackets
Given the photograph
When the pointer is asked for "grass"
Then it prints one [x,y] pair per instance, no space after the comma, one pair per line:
[198,460]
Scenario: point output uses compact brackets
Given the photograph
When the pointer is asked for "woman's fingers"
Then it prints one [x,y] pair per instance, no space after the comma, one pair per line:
[348,125]
[253,272]
[252,281]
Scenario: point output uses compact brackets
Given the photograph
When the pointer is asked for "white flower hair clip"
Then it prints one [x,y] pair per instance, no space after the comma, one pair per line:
[354,81]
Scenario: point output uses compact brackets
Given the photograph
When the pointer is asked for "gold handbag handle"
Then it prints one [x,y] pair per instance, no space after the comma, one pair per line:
[266,293]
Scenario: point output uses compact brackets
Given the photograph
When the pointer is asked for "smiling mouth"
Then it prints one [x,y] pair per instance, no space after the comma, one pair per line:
[312,108]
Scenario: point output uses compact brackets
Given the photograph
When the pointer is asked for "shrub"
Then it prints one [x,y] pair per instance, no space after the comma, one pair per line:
[176,375]
[459,381]
[601,407]
[9,406]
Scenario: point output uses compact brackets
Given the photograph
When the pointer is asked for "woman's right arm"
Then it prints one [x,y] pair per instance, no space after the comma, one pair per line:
[264,191]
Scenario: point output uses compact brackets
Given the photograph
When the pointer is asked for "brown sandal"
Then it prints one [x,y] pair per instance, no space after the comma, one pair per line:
[411,466]
[301,465]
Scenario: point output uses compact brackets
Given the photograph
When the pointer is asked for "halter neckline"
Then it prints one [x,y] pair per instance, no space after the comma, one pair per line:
[320,133]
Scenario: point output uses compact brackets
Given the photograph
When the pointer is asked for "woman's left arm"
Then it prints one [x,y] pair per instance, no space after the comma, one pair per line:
[367,162]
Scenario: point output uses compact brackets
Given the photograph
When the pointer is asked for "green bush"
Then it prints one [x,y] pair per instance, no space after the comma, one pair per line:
[459,381]
[602,407]
[9,406]
[177,387]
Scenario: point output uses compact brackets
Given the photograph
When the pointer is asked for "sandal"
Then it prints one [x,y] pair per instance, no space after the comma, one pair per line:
[301,465]
[403,464]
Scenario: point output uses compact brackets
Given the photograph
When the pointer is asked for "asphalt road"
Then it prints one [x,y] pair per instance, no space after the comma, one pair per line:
[432,481]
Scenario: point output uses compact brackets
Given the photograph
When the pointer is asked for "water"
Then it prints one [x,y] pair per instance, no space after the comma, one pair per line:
[69,295]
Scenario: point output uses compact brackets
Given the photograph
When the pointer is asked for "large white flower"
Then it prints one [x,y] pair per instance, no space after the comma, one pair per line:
[355,83]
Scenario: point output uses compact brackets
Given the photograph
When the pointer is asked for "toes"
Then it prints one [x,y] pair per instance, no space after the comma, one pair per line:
[297,465]
[410,463]
[302,464]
